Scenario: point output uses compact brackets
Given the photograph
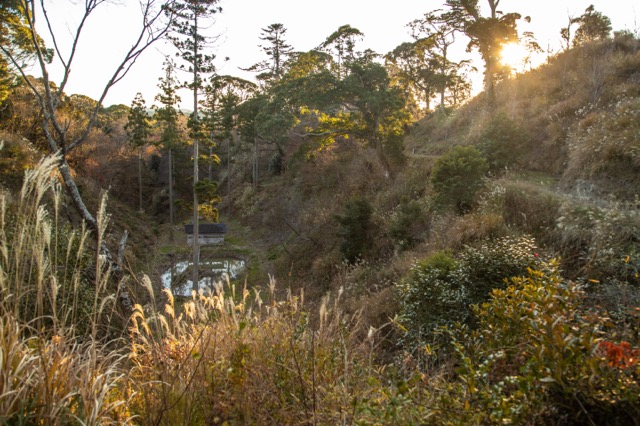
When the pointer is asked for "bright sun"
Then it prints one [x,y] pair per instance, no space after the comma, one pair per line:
[513,55]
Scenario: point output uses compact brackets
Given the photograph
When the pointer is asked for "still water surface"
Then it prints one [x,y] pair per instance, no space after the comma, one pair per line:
[211,271]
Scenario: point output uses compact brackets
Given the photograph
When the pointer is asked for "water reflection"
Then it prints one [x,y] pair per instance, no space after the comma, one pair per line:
[211,271]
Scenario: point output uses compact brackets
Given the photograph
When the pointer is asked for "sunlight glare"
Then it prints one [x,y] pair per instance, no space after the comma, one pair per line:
[513,55]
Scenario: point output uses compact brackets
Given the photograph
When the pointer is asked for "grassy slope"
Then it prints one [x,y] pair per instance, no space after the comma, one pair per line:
[552,105]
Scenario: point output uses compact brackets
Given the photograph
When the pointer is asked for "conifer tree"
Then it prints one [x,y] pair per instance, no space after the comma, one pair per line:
[192,18]
[167,117]
[138,127]
[277,51]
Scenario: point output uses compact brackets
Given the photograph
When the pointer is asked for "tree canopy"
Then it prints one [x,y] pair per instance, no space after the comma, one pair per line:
[487,34]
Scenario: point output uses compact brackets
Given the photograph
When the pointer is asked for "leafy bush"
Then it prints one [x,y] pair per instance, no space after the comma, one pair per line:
[457,177]
[490,264]
[277,162]
[503,143]
[540,356]
[354,228]
[432,296]
[406,222]
[440,289]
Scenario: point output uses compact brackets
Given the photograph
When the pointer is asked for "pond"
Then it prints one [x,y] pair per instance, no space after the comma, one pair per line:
[211,271]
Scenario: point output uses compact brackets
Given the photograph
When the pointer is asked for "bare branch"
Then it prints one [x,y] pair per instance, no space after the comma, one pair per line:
[150,18]
[46,101]
[90,6]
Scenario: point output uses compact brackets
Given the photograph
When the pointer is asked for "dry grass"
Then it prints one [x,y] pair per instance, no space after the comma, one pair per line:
[50,372]
[454,232]
[233,357]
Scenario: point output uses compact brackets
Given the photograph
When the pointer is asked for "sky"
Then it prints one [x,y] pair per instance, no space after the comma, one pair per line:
[110,31]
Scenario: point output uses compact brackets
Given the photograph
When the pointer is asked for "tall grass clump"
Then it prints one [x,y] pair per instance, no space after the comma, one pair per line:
[231,357]
[604,150]
[594,240]
[52,369]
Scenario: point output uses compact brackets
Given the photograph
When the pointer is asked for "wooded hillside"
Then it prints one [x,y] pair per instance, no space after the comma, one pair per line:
[414,255]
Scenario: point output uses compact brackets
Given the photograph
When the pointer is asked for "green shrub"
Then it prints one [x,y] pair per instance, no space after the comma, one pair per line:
[503,143]
[432,297]
[406,222]
[354,228]
[539,356]
[457,177]
[489,265]
[276,163]
[439,290]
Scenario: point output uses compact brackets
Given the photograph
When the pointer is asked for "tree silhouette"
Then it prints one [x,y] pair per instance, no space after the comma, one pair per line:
[487,34]
[592,26]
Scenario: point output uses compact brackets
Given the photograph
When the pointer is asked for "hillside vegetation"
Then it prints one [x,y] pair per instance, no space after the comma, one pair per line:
[556,161]
[476,266]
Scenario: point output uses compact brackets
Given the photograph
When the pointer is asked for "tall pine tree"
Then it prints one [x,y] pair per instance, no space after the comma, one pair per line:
[138,127]
[192,17]
[167,117]
[277,50]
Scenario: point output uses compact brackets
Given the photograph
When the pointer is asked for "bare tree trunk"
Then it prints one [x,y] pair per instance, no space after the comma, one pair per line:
[489,83]
[427,100]
[256,164]
[74,192]
[140,178]
[380,152]
[196,153]
[443,71]
[210,163]
[171,219]
[229,175]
